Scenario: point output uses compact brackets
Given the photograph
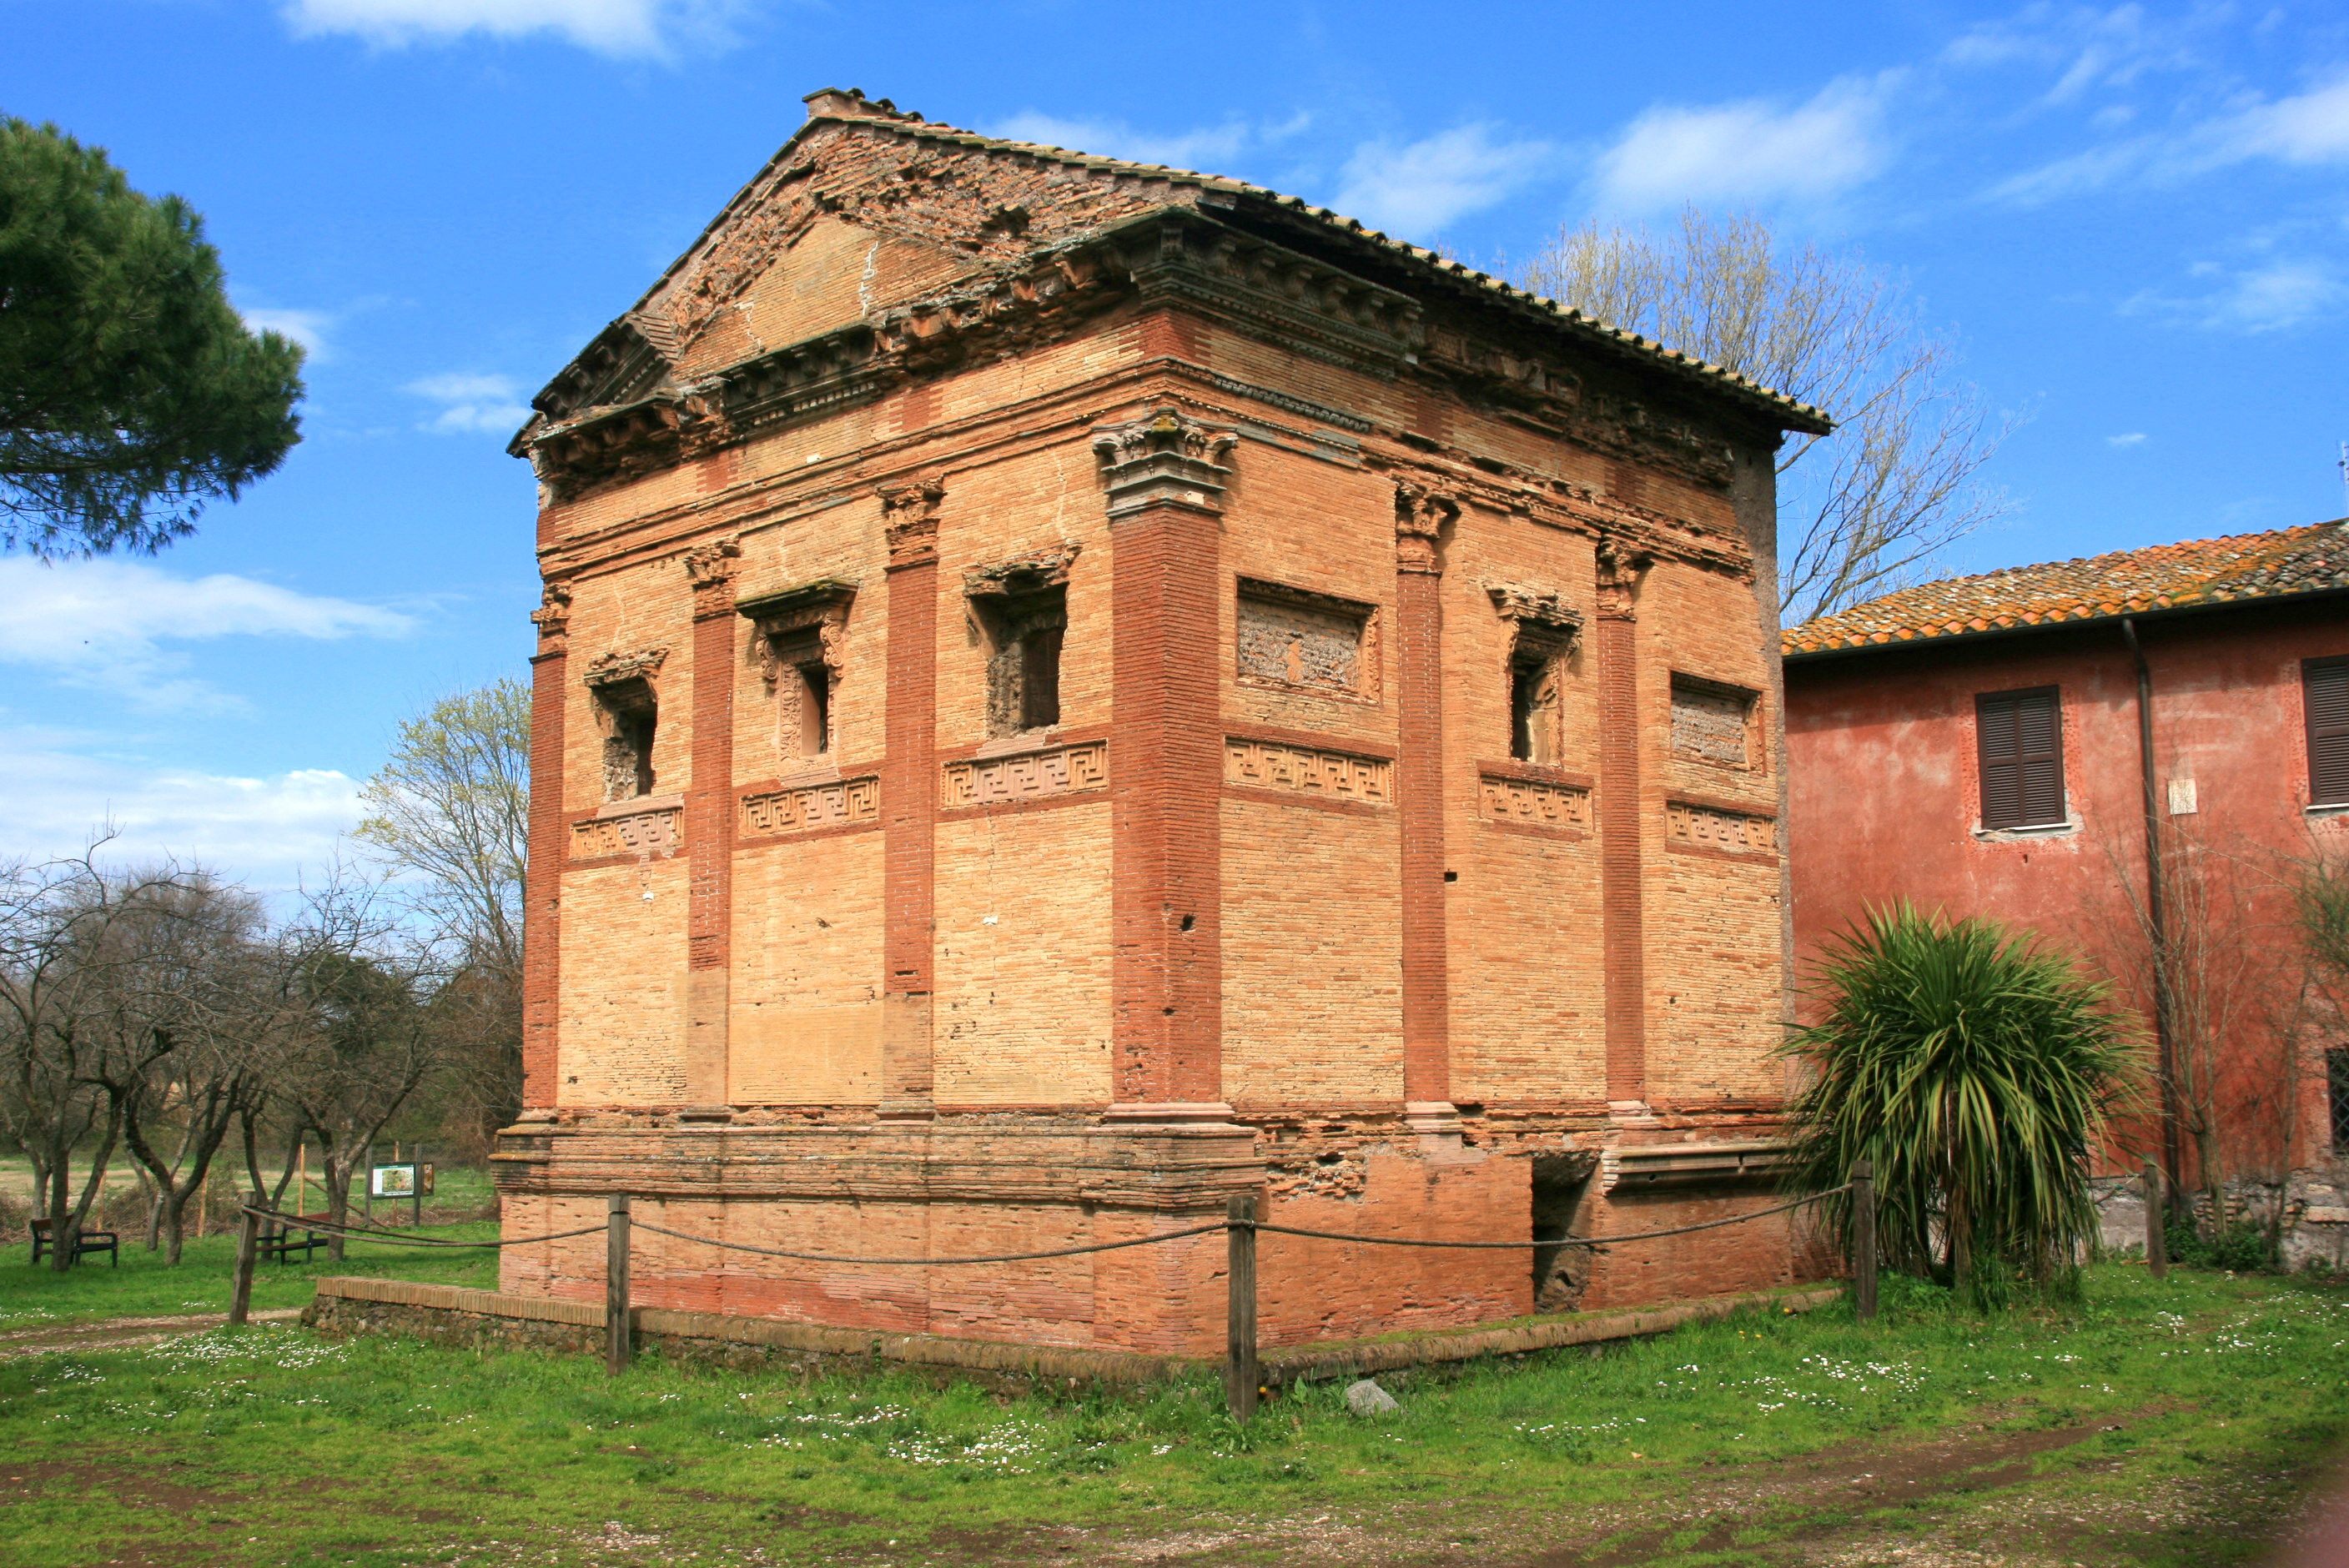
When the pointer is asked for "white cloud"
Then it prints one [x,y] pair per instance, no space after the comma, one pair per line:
[1202,148]
[307,327]
[2270,295]
[2309,129]
[266,831]
[1415,190]
[105,623]
[1751,152]
[2131,438]
[646,27]
[2312,127]
[472,405]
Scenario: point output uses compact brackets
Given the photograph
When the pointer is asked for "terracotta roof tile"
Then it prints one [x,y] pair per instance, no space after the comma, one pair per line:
[1791,413]
[2287,561]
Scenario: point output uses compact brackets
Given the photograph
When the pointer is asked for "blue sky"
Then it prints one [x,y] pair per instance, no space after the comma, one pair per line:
[2135,219]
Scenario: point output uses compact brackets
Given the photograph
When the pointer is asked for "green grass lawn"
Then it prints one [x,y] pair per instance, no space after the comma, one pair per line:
[2172,1423]
[144,1286]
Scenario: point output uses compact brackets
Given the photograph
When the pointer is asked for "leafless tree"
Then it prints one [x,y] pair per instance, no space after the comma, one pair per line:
[2218,983]
[450,813]
[74,933]
[367,1038]
[1900,480]
[215,989]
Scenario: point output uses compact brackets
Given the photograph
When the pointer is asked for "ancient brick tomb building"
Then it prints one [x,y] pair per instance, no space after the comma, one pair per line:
[1068,692]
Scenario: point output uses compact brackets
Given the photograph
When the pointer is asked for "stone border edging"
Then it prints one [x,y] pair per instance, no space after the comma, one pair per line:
[703,1333]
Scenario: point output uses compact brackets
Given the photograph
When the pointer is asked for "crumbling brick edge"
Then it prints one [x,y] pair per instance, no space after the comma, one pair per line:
[488,1320]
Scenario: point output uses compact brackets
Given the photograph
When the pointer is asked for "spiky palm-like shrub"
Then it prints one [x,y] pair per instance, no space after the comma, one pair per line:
[1975,1068]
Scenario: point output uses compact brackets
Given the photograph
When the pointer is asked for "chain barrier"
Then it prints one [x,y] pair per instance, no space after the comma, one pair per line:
[370,1233]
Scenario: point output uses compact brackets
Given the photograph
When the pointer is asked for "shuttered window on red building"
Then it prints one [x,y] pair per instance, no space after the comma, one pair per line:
[2021,734]
[2324,691]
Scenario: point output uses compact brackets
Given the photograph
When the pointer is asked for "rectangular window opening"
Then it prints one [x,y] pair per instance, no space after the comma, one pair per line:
[2021,738]
[815,708]
[630,716]
[1025,633]
[1533,709]
[2324,695]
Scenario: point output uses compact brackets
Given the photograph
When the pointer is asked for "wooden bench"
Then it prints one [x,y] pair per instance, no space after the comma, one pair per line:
[85,1243]
[281,1241]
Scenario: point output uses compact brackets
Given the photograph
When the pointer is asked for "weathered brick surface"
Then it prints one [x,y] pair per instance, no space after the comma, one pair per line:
[950,985]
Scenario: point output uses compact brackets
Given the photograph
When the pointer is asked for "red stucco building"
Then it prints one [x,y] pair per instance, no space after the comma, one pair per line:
[2030,744]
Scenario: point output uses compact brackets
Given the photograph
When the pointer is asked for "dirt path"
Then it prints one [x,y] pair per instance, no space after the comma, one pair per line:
[122,1333]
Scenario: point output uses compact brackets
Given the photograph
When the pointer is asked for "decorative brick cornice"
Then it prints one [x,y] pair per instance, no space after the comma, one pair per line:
[820,606]
[1420,517]
[1537,614]
[617,669]
[1163,458]
[909,515]
[1046,568]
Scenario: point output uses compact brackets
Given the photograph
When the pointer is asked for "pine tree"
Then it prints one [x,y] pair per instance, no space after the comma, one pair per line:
[132,393]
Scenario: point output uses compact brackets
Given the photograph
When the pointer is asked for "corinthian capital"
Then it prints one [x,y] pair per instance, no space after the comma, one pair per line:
[1421,516]
[1163,458]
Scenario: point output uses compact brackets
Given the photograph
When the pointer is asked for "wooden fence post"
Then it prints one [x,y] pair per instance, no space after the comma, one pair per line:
[2157,1225]
[248,1247]
[1239,1352]
[1863,1240]
[619,1344]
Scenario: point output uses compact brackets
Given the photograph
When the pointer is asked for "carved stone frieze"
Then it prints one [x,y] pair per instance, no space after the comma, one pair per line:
[804,809]
[1163,458]
[1532,803]
[1305,304]
[654,834]
[1317,771]
[1690,824]
[1025,775]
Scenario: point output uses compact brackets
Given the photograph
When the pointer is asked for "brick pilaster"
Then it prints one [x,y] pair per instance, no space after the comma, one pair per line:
[909,802]
[1165,490]
[541,948]
[709,824]
[1622,824]
[1420,517]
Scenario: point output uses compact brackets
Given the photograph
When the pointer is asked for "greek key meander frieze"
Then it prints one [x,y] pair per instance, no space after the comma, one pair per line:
[1309,770]
[1715,827]
[1025,775]
[1531,803]
[779,812]
[644,834]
